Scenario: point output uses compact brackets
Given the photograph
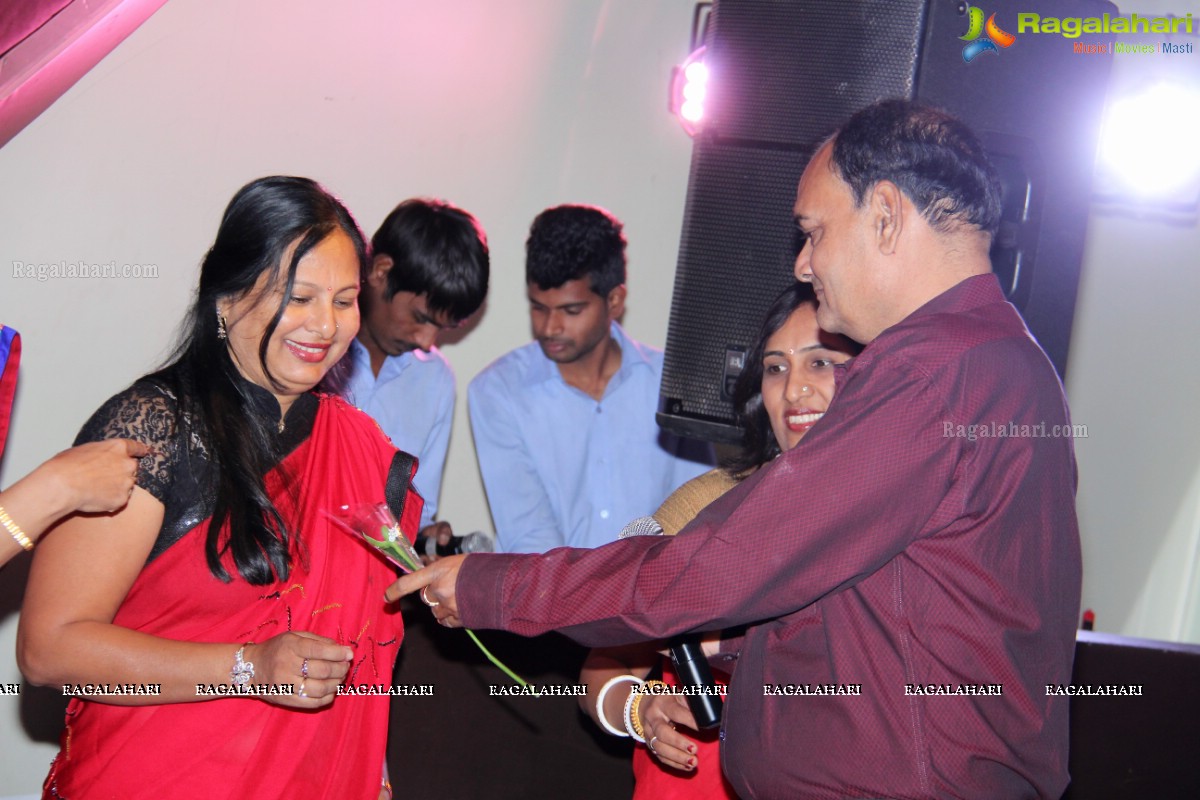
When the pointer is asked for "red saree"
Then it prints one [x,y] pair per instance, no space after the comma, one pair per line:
[246,748]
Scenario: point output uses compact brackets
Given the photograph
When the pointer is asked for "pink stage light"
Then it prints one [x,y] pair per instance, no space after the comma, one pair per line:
[689,88]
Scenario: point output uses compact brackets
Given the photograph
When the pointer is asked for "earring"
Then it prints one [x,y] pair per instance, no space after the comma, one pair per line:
[222,333]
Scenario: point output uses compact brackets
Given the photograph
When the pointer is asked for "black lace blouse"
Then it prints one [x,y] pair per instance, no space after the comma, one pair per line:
[179,471]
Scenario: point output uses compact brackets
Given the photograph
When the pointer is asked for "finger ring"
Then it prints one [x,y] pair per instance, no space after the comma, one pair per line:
[304,668]
[650,744]
[425,599]
[302,682]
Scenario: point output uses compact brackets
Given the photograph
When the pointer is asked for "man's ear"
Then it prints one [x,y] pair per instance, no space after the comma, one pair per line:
[887,209]
[616,302]
[381,265]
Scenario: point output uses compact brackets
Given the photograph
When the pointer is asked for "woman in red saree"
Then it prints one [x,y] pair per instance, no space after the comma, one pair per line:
[209,627]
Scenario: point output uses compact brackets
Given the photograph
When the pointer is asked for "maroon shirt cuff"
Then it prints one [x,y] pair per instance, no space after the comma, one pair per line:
[479,589]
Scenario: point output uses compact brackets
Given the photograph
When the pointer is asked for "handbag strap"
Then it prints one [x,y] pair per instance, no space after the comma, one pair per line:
[399,482]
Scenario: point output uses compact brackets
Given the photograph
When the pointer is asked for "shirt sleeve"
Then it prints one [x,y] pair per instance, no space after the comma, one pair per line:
[521,509]
[433,453]
[817,519]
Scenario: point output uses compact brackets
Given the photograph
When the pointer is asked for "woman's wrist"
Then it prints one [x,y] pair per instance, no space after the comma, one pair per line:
[242,673]
[57,496]
[14,531]
[601,711]
[31,504]
[633,719]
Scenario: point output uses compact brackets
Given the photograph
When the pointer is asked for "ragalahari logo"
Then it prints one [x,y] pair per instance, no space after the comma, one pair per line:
[996,38]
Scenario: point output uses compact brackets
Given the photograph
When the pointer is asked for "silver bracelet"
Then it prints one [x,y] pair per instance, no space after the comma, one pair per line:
[604,723]
[243,671]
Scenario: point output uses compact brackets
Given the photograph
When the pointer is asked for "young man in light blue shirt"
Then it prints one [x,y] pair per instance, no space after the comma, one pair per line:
[564,427]
[428,273]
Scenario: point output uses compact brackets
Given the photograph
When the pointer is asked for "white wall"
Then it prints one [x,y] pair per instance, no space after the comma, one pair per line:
[503,108]
[1134,379]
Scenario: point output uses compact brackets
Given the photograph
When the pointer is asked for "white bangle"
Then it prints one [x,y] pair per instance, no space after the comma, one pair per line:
[629,719]
[604,723]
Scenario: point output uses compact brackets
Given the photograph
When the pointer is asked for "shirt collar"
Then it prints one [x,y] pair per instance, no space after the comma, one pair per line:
[362,358]
[633,356]
[973,292]
[970,293]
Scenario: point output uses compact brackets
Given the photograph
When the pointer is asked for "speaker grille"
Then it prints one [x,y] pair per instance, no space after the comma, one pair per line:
[736,255]
[790,72]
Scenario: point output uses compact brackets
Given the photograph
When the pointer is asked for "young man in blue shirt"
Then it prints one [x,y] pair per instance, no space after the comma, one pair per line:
[428,273]
[564,427]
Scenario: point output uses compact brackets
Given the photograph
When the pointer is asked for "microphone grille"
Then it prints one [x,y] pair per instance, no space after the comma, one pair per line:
[642,526]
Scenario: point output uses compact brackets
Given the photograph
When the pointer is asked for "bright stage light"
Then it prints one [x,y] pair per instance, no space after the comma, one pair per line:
[1147,143]
[691,111]
[689,88]
[696,73]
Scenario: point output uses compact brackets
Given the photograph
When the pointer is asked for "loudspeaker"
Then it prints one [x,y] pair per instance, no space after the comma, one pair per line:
[1135,719]
[783,75]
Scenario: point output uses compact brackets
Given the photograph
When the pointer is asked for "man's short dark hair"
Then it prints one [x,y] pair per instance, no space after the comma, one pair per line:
[935,159]
[439,251]
[569,242]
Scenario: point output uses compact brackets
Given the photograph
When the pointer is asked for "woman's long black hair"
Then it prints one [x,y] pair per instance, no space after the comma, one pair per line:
[758,440]
[262,220]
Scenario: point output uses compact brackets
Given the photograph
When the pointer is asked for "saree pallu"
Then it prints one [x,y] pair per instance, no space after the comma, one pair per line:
[247,748]
[10,360]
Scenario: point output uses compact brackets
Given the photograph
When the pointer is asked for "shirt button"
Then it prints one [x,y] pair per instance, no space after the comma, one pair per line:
[598,409]
[604,514]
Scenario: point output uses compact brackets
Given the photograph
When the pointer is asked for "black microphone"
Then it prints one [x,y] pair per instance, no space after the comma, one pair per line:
[693,670]
[690,664]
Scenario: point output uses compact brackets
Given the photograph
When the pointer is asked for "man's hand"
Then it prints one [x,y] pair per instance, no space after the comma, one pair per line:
[441,533]
[436,584]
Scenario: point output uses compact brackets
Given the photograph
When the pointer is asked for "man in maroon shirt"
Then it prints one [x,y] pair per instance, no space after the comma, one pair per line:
[910,572]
